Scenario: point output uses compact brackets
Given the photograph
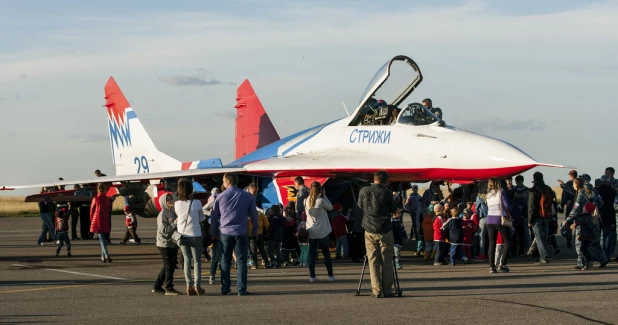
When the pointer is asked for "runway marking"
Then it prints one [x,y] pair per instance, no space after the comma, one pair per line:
[36,283]
[49,288]
[73,272]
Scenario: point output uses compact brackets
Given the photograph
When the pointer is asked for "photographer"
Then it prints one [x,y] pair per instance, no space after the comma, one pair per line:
[378,206]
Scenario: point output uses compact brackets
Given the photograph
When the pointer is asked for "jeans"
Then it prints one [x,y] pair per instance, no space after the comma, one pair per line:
[48,226]
[442,250]
[274,252]
[492,231]
[304,253]
[483,248]
[103,241]
[609,240]
[420,243]
[380,250]
[257,244]
[456,253]
[518,245]
[324,245]
[216,257]
[541,230]
[166,275]
[192,250]
[585,251]
[63,237]
[342,245]
[239,245]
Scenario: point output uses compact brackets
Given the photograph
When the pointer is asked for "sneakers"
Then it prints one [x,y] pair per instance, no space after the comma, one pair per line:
[244,293]
[158,290]
[69,254]
[211,280]
[172,292]
[56,255]
[465,260]
[453,264]
[331,278]
[603,264]
[121,243]
[40,244]
[313,279]
[439,263]
[253,267]
[542,262]
[492,270]
[191,291]
[503,268]
[398,266]
[578,267]
[199,291]
[373,295]
[418,253]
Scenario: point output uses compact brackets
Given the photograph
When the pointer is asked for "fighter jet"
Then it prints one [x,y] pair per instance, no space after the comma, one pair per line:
[384,132]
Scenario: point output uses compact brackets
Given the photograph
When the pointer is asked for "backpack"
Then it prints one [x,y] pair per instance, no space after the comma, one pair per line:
[546,203]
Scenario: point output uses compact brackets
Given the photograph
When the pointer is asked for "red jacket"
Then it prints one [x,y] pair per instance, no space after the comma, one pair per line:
[100,212]
[339,226]
[437,229]
[469,229]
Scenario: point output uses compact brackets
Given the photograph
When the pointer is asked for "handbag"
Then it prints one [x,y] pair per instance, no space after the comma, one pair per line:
[176,236]
[506,221]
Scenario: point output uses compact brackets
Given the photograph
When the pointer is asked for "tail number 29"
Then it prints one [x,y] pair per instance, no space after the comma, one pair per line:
[142,165]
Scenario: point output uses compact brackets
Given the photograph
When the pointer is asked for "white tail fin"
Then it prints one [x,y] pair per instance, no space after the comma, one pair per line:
[133,151]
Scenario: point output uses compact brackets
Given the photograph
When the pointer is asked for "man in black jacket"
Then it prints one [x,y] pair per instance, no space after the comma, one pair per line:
[539,224]
[608,215]
[378,206]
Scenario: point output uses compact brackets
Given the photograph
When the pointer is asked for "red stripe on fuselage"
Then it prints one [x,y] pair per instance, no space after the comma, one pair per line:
[186,165]
[408,174]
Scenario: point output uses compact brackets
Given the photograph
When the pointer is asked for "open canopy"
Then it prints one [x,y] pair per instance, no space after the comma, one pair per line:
[391,85]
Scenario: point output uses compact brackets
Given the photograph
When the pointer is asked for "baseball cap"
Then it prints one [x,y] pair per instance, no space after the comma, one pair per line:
[586,177]
[573,172]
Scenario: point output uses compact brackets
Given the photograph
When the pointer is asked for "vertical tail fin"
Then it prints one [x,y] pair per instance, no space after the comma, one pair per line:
[132,149]
[254,129]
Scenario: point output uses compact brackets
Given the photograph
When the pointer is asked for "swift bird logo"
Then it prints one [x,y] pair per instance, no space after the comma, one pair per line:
[117,104]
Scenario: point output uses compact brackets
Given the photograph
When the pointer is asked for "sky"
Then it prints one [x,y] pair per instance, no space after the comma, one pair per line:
[538,74]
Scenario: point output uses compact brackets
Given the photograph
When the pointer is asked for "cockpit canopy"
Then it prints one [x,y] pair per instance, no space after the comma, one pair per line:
[381,103]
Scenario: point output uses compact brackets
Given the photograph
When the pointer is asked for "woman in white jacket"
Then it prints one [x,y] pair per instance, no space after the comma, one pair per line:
[318,227]
[190,215]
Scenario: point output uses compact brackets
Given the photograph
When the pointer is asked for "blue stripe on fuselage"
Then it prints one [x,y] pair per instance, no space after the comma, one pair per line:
[272,150]
[131,115]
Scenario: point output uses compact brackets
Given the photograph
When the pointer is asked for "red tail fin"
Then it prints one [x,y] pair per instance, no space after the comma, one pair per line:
[254,129]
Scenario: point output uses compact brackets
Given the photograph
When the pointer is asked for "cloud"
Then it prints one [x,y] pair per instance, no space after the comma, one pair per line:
[89,137]
[23,76]
[228,114]
[200,79]
[11,134]
[500,124]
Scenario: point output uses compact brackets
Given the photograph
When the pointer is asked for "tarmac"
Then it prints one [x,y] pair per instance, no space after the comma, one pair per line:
[36,287]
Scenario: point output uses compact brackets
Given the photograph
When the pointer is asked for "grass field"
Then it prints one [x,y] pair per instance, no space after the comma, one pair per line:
[14,206]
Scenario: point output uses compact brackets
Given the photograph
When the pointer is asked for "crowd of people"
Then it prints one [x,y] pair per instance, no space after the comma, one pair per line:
[484,221]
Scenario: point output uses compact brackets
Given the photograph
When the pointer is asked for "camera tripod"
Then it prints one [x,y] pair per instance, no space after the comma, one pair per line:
[398,291]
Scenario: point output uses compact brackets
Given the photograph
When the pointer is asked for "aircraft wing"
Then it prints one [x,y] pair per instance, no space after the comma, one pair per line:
[135,177]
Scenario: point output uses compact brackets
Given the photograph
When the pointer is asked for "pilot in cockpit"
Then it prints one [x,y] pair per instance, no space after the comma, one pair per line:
[394,114]
[435,110]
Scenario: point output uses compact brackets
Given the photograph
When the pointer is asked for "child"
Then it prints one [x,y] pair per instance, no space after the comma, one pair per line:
[303,239]
[288,244]
[438,237]
[131,223]
[469,229]
[276,237]
[340,232]
[584,236]
[500,246]
[427,229]
[454,228]
[399,235]
[62,227]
